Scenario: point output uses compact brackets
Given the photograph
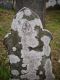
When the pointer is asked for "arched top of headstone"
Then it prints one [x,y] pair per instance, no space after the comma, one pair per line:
[27,19]
[26,15]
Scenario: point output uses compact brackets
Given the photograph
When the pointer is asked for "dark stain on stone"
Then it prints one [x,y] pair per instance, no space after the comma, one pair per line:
[42,76]
[15,17]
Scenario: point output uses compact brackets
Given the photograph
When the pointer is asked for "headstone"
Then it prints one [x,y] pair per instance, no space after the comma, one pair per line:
[28,48]
[50,3]
[37,6]
[1,3]
[53,4]
[8,5]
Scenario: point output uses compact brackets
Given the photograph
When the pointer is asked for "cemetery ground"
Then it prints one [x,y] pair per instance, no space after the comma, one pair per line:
[52,24]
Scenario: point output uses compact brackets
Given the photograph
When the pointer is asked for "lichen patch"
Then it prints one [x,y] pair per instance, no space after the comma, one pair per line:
[15,72]
[46,47]
[27,12]
[14,48]
[59,61]
[48,70]
[13,59]
[7,35]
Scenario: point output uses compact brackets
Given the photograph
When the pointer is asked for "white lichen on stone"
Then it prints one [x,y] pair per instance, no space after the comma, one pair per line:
[47,31]
[7,35]
[36,22]
[48,70]
[14,23]
[41,73]
[46,47]
[59,61]
[19,42]
[51,3]
[23,65]
[31,59]
[19,15]
[19,21]
[13,58]
[27,12]
[14,48]
[15,72]
[46,40]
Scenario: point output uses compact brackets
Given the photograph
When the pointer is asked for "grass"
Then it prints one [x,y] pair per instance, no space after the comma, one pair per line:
[52,24]
[5,24]
[4,73]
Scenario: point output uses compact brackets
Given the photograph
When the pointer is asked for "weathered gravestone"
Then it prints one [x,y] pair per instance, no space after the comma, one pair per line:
[28,48]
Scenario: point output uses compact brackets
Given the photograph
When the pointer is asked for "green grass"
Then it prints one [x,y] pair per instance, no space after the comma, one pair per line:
[6,17]
[4,73]
[52,24]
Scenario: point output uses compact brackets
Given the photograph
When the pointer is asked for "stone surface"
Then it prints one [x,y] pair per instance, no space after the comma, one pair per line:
[15,72]
[28,48]
[13,58]
[59,61]
[52,3]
